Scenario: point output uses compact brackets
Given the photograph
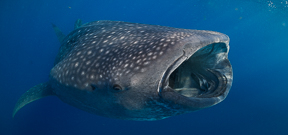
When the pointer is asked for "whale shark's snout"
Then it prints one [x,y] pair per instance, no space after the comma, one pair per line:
[199,78]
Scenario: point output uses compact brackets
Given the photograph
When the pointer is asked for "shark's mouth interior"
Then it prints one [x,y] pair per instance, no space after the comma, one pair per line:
[207,73]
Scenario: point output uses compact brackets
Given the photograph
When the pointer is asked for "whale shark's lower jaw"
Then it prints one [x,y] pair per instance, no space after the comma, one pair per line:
[206,74]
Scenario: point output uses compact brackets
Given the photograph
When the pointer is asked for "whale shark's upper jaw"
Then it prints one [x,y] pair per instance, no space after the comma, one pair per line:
[201,80]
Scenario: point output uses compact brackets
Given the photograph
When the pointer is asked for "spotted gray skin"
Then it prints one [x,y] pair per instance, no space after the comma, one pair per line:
[137,71]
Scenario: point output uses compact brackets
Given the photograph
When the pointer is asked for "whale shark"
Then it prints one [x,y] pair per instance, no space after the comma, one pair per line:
[134,71]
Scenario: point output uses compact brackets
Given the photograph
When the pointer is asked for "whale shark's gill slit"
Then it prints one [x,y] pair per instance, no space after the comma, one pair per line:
[203,75]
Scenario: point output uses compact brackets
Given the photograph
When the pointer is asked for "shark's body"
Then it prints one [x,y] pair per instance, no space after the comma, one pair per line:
[136,71]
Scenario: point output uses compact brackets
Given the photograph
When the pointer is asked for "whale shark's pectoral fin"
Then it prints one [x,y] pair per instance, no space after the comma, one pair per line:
[59,33]
[77,24]
[39,91]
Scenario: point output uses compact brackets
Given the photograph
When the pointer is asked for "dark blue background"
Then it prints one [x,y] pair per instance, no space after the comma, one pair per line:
[256,104]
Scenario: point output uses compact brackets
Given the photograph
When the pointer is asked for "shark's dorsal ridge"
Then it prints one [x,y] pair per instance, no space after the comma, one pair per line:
[39,91]
[59,33]
[78,23]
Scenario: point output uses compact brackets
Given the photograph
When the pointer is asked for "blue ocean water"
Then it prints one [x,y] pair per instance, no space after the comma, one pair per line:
[258,31]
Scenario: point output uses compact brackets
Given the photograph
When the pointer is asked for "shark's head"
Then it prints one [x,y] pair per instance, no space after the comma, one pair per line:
[141,72]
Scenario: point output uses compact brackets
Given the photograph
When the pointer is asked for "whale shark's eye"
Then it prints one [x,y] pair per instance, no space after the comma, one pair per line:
[117,87]
[93,87]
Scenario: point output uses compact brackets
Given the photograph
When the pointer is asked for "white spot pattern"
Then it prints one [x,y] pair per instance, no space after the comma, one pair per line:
[104,51]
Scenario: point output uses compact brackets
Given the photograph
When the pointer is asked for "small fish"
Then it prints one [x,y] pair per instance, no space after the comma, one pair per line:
[135,71]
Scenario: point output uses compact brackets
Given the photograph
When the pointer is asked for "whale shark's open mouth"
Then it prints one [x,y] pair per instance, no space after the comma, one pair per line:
[206,74]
